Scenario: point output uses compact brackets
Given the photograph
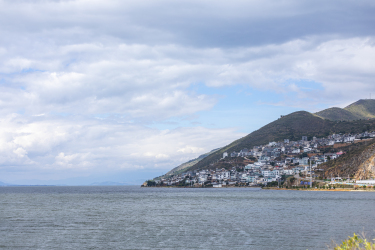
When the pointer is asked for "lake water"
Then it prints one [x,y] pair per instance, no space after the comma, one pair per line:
[129,217]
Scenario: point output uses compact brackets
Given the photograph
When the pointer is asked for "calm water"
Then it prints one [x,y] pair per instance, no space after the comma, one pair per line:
[159,218]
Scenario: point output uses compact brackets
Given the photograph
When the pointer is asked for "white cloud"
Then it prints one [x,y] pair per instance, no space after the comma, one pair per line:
[49,146]
[20,152]
[156,88]
[81,81]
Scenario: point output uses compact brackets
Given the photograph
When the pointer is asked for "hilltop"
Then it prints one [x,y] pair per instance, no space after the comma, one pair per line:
[362,109]
[338,114]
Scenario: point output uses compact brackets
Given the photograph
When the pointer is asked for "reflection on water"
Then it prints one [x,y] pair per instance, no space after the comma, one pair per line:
[128,217]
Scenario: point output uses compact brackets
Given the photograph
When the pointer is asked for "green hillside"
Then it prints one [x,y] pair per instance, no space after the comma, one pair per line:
[338,114]
[293,127]
[184,166]
[362,108]
[355,118]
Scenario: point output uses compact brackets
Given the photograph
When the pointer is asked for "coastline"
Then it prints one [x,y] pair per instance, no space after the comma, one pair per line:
[281,189]
[323,190]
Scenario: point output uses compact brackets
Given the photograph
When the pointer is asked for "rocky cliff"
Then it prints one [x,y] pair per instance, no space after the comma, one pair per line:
[358,162]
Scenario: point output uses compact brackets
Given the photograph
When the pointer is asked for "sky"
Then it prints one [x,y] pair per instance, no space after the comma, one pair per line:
[123,91]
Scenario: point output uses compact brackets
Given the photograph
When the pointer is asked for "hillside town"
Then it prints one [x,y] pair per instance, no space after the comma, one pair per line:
[267,165]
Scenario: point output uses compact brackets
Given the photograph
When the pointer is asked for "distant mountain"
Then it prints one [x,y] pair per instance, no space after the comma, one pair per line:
[5,184]
[362,109]
[108,183]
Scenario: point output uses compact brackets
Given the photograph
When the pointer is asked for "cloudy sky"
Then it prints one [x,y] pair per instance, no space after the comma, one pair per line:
[124,91]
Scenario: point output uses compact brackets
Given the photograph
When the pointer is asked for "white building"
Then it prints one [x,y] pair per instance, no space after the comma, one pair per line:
[367,182]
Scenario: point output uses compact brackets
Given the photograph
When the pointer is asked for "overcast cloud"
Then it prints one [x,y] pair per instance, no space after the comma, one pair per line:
[86,85]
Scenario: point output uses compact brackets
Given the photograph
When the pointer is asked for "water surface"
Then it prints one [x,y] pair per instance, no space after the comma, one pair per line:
[129,217]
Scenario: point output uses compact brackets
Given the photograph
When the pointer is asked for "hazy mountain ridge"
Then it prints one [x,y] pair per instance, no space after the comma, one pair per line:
[108,183]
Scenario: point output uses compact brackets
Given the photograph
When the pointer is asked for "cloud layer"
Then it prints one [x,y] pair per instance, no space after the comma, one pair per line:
[83,82]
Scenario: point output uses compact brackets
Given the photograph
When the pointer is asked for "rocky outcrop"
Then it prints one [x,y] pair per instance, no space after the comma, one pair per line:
[367,169]
[358,163]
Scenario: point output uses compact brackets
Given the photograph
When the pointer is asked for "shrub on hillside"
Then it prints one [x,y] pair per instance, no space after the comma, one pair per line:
[356,243]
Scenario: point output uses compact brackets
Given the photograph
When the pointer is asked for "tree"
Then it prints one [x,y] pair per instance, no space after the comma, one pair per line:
[303,155]
[355,242]
[151,183]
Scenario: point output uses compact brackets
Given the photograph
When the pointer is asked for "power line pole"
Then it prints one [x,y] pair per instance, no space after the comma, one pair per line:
[310,176]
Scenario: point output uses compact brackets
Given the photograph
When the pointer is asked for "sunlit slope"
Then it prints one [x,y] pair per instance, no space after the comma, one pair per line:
[338,114]
[362,109]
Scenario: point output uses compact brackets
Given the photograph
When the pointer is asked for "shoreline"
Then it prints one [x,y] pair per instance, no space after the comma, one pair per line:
[282,189]
[323,190]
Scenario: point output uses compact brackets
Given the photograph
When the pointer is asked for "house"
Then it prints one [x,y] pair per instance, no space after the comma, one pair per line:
[271,144]
[296,151]
[243,152]
[349,139]
[304,161]
[331,156]
[266,173]
[234,154]
[297,170]
[288,171]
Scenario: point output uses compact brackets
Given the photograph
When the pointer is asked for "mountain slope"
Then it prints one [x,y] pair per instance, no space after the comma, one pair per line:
[184,166]
[353,119]
[293,127]
[338,114]
[362,108]
[358,162]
